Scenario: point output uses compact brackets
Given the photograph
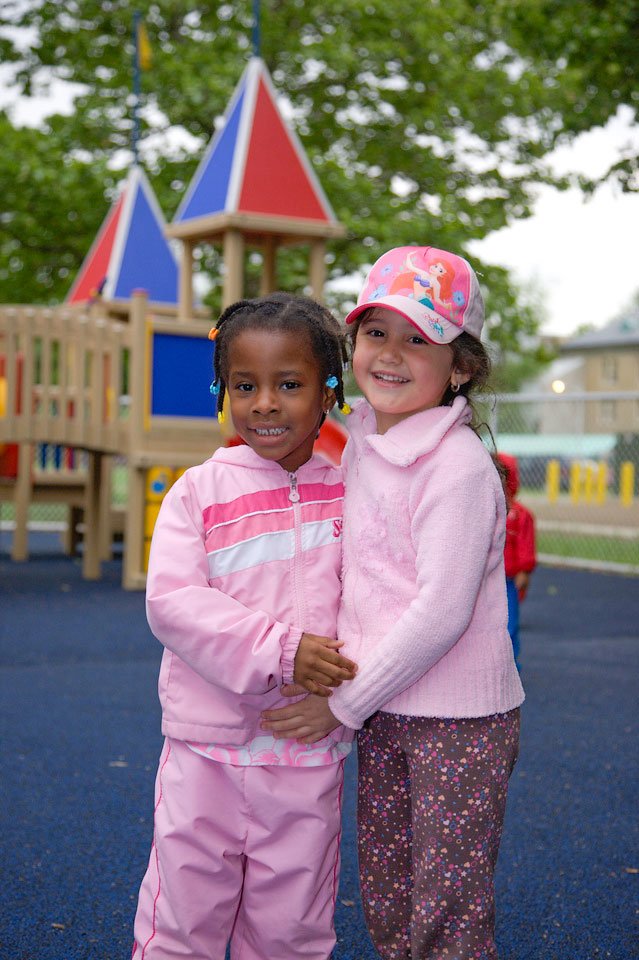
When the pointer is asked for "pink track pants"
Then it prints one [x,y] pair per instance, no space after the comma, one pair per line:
[246,855]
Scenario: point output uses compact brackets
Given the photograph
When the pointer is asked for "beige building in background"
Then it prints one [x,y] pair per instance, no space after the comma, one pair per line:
[609,365]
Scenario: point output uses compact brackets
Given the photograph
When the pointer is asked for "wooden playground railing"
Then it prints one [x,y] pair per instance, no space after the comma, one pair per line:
[64,371]
[83,379]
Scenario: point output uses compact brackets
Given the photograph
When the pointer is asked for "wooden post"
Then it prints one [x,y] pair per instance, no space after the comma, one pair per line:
[22,498]
[138,373]
[132,570]
[77,330]
[268,280]
[317,269]
[233,289]
[15,403]
[185,306]
[98,385]
[104,510]
[91,556]
[139,386]
[28,378]
[60,320]
[233,267]
[42,329]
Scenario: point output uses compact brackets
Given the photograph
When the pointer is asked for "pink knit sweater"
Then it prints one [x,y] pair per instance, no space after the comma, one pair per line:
[423,609]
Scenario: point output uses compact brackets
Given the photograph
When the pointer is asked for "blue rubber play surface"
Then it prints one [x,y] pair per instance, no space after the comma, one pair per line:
[80,733]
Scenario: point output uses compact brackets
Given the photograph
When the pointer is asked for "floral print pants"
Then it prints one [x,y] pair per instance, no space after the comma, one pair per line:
[431,803]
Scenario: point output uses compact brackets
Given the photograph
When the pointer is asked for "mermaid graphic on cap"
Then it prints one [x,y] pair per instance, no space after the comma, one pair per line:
[431,285]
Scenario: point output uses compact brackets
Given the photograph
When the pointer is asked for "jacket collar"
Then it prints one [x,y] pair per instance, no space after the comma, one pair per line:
[245,456]
[411,438]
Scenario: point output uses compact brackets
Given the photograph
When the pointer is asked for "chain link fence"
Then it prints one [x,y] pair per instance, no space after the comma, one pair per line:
[578,461]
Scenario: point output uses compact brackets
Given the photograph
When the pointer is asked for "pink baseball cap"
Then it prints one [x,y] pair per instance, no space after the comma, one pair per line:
[438,292]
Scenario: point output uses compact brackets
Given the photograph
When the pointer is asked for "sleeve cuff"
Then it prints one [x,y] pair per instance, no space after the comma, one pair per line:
[341,713]
[290,644]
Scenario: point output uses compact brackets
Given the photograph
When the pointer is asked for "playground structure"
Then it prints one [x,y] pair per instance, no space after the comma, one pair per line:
[123,368]
[255,188]
[65,371]
[130,247]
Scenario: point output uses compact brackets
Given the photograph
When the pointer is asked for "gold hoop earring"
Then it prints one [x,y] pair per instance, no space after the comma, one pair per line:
[455,387]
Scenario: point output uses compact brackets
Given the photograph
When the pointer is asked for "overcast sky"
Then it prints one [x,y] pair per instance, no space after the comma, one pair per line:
[581,254]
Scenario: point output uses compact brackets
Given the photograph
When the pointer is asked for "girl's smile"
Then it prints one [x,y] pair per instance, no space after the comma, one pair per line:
[389,378]
[269,431]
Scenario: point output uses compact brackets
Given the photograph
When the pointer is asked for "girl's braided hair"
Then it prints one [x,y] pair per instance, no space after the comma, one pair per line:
[288,312]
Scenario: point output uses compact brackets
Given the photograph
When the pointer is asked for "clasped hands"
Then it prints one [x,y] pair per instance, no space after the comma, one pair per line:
[318,667]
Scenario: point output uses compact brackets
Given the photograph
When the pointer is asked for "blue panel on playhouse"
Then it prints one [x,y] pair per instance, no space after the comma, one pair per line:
[147,260]
[182,374]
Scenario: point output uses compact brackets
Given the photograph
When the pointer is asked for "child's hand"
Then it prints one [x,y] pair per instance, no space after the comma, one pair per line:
[522,582]
[318,666]
[307,721]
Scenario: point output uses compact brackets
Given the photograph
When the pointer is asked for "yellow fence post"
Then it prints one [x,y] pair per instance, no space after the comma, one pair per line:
[627,483]
[602,482]
[575,481]
[589,482]
[553,477]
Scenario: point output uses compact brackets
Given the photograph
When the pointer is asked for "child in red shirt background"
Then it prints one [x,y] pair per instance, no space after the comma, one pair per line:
[520,558]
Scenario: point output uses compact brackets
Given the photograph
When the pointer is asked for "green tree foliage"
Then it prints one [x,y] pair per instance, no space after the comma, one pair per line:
[587,54]
[51,208]
[425,123]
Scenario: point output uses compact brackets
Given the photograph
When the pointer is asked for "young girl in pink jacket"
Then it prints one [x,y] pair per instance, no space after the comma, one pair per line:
[437,694]
[245,562]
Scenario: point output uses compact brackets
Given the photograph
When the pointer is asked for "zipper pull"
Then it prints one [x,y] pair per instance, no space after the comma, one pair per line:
[293,493]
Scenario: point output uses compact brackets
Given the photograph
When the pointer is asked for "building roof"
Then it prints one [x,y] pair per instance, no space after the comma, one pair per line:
[130,251]
[622,332]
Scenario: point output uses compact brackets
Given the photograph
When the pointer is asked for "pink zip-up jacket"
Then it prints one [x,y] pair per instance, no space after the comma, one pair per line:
[244,558]
[423,610]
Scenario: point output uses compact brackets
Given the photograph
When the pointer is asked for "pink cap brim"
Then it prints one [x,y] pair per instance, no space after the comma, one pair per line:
[427,321]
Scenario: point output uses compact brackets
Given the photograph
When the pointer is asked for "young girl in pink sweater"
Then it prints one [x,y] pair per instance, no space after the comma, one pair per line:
[424,614]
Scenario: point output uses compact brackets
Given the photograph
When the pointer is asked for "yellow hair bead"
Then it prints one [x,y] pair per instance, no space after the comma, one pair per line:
[220,416]
[213,332]
[345,409]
